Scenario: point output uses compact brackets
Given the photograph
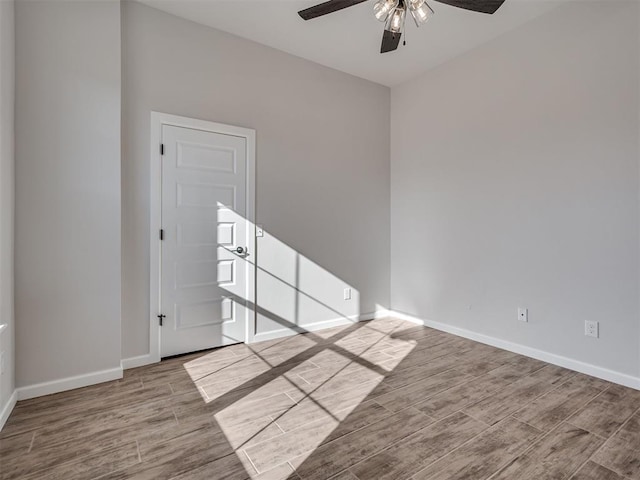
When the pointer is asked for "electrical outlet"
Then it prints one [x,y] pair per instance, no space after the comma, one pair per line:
[259,231]
[347,293]
[591,329]
[523,314]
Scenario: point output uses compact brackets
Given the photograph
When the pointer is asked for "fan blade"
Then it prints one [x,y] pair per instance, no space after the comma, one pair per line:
[482,6]
[390,41]
[327,7]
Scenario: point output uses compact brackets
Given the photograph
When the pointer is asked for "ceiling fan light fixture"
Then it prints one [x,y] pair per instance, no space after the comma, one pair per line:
[394,12]
[420,11]
[383,8]
[395,22]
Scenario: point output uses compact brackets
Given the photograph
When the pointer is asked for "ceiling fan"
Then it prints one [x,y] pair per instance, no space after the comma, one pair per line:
[393,13]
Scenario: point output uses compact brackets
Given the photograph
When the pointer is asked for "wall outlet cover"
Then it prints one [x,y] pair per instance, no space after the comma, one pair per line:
[591,329]
[523,314]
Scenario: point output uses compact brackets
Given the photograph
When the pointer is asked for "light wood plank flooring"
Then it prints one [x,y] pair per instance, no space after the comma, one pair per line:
[378,400]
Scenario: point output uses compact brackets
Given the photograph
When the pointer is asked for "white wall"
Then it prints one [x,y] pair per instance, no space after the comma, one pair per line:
[7,97]
[67,189]
[322,166]
[515,183]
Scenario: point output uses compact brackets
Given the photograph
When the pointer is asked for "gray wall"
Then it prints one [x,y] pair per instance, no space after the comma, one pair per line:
[322,160]
[515,183]
[67,259]
[7,97]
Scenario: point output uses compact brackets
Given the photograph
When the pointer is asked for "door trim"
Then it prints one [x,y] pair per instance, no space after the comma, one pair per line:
[155,221]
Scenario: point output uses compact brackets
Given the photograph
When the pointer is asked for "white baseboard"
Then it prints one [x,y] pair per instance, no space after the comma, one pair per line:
[147,359]
[380,313]
[337,322]
[69,383]
[139,361]
[8,408]
[561,361]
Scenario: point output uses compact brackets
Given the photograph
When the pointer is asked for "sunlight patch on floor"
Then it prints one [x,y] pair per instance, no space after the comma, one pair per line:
[284,398]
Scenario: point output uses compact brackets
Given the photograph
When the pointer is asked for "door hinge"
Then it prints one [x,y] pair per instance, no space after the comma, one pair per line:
[161,318]
[161,234]
[162,149]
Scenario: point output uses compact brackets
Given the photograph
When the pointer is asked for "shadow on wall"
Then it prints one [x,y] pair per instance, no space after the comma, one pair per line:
[294,294]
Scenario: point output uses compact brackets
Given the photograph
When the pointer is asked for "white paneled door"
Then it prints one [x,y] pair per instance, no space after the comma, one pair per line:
[206,250]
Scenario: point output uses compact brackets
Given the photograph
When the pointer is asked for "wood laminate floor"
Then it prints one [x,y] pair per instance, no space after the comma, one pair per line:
[378,400]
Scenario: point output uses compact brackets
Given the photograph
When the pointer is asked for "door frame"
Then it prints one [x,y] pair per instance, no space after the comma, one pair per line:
[158,120]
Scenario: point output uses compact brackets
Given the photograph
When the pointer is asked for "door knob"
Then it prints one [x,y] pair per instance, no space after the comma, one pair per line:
[241,251]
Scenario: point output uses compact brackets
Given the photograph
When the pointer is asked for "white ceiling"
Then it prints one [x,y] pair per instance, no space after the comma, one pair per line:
[349,40]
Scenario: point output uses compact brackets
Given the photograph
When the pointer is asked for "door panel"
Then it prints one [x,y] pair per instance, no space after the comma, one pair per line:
[204,281]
